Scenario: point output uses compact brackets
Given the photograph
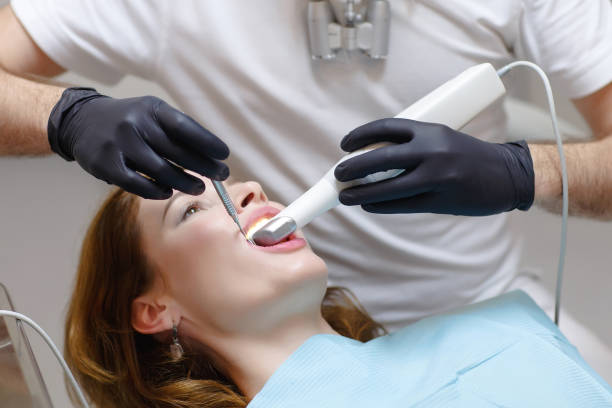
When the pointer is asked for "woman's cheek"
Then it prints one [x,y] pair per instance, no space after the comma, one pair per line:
[201,243]
[202,231]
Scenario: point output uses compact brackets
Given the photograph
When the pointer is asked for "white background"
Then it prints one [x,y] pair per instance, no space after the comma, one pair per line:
[46,205]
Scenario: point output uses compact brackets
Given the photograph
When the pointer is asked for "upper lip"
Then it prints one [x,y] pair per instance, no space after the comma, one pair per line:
[259,213]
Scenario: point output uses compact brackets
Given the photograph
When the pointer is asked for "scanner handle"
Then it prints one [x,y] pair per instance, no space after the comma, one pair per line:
[453,104]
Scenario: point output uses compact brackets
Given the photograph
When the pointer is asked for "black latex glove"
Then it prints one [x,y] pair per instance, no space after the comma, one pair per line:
[115,139]
[447,172]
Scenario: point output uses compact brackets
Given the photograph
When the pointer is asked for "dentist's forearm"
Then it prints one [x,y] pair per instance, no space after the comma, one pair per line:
[589,169]
[24,111]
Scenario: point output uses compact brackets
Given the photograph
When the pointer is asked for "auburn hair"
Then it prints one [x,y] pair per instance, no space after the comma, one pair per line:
[119,367]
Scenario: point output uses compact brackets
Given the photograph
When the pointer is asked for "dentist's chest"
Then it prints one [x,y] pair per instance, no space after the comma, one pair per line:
[254,57]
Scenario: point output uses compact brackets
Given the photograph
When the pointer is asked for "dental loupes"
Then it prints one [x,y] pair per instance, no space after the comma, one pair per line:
[229,206]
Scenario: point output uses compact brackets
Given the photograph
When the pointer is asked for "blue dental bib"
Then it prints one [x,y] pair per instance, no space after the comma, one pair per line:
[504,352]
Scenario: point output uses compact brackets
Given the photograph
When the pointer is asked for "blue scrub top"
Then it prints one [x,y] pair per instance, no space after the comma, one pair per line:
[504,352]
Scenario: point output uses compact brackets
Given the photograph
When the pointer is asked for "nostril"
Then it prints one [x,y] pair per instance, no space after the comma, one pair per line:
[247,200]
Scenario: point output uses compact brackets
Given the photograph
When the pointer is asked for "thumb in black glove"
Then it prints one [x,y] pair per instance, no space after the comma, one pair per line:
[447,172]
[120,140]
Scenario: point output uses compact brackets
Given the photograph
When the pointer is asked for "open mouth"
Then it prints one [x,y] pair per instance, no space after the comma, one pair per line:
[291,243]
[259,218]
[290,237]
[253,228]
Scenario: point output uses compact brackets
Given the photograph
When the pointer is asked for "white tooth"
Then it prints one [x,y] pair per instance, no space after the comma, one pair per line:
[257,225]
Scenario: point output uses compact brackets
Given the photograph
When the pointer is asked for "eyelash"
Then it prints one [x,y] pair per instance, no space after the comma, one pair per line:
[189,207]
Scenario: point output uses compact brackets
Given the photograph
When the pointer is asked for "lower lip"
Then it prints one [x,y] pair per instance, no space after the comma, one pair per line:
[288,246]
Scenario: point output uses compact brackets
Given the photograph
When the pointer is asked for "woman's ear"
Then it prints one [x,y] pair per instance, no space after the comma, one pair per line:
[150,315]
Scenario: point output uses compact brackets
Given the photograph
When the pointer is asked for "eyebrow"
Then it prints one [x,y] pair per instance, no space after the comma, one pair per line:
[170,201]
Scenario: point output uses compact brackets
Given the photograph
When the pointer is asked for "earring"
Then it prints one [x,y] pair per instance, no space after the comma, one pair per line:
[176,350]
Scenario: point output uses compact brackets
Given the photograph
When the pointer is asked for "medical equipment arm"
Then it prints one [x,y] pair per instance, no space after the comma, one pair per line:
[120,140]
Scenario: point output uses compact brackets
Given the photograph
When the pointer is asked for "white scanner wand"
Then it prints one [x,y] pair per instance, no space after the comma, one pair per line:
[453,104]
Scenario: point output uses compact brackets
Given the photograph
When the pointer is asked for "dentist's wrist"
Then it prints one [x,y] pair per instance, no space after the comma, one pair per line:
[61,138]
[520,165]
[548,187]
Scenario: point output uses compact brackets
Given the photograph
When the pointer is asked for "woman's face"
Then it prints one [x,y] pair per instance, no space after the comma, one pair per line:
[214,276]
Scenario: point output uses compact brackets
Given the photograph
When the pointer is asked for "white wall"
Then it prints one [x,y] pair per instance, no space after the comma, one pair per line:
[46,204]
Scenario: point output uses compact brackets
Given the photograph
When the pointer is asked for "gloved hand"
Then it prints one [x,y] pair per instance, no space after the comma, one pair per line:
[447,172]
[116,139]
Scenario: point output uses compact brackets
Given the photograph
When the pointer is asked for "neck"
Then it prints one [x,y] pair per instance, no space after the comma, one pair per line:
[251,359]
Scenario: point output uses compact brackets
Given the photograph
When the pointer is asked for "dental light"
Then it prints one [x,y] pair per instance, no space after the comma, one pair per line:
[454,104]
[335,25]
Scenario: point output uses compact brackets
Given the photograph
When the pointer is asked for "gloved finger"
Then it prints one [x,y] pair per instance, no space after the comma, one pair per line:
[137,184]
[187,159]
[423,203]
[189,133]
[381,159]
[402,186]
[383,130]
[165,173]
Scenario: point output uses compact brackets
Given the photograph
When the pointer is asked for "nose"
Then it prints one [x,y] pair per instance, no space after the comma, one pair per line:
[247,193]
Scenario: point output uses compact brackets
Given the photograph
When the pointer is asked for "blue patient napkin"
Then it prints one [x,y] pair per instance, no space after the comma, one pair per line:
[504,352]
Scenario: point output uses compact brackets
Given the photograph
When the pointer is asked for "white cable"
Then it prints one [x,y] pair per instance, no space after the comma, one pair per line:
[56,352]
[553,114]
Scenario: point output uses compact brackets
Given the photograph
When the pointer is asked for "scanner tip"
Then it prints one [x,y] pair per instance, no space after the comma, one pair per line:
[274,231]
